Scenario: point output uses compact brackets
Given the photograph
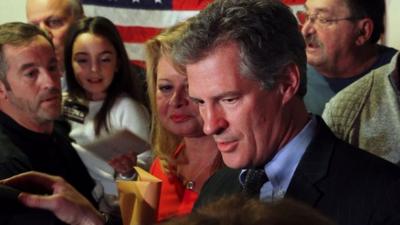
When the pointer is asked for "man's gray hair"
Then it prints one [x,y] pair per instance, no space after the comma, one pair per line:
[16,34]
[265,31]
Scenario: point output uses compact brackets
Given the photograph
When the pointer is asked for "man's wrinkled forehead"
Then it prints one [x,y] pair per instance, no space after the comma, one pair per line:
[39,10]
[37,49]
[326,6]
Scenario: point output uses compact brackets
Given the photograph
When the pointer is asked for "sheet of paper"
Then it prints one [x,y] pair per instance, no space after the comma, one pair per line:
[119,143]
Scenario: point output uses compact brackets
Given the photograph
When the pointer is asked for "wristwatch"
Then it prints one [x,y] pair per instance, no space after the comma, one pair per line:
[130,176]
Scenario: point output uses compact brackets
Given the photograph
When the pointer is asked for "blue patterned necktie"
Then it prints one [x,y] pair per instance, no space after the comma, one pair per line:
[254,180]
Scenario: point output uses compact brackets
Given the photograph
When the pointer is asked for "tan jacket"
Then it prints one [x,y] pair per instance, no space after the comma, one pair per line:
[367,113]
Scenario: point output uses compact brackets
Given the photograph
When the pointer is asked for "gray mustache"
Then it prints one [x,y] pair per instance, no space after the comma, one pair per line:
[313,40]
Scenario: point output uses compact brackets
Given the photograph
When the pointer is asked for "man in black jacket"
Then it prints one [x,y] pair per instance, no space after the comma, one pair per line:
[30,101]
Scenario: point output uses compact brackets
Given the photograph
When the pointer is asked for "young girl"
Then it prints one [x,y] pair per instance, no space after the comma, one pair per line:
[101,98]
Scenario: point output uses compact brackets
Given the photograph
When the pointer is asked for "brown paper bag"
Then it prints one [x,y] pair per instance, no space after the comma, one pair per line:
[139,199]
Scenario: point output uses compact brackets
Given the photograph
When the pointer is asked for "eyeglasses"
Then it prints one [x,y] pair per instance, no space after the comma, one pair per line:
[319,20]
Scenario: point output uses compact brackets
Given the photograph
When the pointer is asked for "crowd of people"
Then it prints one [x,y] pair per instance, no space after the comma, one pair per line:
[249,118]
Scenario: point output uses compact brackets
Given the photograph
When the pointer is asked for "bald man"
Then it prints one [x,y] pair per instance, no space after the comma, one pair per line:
[55,17]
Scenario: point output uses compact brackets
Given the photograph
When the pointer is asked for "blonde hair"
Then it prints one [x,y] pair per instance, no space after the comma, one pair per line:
[163,142]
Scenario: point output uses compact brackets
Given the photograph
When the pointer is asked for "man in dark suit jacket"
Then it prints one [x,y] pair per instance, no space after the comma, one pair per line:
[246,67]
[341,181]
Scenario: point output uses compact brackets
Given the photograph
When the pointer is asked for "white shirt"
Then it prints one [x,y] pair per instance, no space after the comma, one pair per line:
[125,114]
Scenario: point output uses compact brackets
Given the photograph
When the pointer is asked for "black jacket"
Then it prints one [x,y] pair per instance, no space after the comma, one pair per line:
[23,150]
[349,185]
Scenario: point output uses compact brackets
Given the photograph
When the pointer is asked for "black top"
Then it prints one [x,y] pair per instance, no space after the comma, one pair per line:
[23,150]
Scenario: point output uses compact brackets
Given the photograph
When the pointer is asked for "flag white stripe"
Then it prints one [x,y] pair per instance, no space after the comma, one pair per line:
[296,8]
[135,51]
[139,17]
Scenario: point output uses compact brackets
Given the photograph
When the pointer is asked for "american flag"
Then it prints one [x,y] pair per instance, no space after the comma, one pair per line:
[139,20]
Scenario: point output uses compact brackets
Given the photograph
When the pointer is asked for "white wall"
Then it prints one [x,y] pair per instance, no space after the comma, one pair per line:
[12,10]
[392,37]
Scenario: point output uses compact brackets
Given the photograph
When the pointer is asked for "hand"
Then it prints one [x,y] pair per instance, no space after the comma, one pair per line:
[123,164]
[64,201]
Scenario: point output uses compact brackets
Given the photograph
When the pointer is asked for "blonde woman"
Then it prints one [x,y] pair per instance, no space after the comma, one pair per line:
[185,156]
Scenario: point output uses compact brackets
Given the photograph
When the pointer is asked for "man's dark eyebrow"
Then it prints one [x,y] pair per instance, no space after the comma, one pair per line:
[217,97]
[52,17]
[196,100]
[318,10]
[228,93]
[26,66]
[30,65]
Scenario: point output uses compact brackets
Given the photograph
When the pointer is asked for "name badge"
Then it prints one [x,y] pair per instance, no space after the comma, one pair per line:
[75,111]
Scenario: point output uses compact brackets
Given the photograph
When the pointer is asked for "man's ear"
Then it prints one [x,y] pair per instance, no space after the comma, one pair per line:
[289,82]
[3,90]
[365,28]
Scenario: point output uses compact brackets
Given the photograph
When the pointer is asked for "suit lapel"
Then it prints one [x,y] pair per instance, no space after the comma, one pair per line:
[306,184]
[224,182]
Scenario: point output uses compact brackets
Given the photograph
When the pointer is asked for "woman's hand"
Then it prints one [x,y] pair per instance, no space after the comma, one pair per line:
[123,164]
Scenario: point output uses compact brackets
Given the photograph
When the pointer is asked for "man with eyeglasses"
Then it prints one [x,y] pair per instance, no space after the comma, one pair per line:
[341,45]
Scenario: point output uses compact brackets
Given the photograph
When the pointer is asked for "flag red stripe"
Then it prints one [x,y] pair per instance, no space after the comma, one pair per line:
[189,5]
[137,34]
[294,2]
[139,63]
